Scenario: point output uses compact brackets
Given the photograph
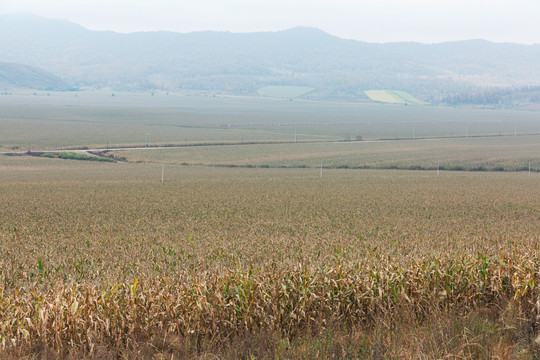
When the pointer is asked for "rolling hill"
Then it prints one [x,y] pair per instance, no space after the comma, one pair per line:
[23,76]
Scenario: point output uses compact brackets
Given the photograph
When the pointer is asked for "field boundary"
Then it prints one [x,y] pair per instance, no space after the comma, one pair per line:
[106,155]
[238,143]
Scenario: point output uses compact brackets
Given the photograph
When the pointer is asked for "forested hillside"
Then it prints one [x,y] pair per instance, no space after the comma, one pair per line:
[223,62]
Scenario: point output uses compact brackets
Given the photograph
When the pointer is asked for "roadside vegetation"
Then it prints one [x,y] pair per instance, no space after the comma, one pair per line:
[68,155]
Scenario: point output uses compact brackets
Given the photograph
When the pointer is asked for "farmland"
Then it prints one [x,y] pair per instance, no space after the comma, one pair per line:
[513,153]
[393,97]
[284,91]
[67,120]
[244,250]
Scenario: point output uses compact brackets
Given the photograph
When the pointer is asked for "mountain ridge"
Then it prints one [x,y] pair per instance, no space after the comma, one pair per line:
[241,63]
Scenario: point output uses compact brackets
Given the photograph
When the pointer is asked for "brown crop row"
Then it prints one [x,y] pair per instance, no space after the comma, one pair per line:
[218,306]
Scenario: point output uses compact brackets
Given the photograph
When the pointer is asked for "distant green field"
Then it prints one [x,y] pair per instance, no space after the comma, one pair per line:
[393,97]
[284,91]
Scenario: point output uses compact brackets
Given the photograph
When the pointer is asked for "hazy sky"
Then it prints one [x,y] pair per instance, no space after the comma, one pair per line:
[374,20]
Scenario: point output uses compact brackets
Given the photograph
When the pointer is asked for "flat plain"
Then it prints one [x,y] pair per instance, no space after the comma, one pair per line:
[510,153]
[82,119]
[245,250]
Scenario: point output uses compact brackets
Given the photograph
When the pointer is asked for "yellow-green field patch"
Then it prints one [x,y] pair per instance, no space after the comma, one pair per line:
[393,97]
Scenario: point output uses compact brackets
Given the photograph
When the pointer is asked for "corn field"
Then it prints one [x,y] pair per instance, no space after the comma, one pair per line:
[95,257]
[216,307]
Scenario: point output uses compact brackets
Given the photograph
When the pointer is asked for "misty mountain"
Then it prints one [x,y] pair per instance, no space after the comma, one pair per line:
[241,63]
[23,76]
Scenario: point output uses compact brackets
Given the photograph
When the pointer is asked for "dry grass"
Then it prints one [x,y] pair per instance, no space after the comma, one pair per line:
[104,259]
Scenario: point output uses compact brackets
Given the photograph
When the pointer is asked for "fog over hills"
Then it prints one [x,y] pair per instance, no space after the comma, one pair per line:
[242,63]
